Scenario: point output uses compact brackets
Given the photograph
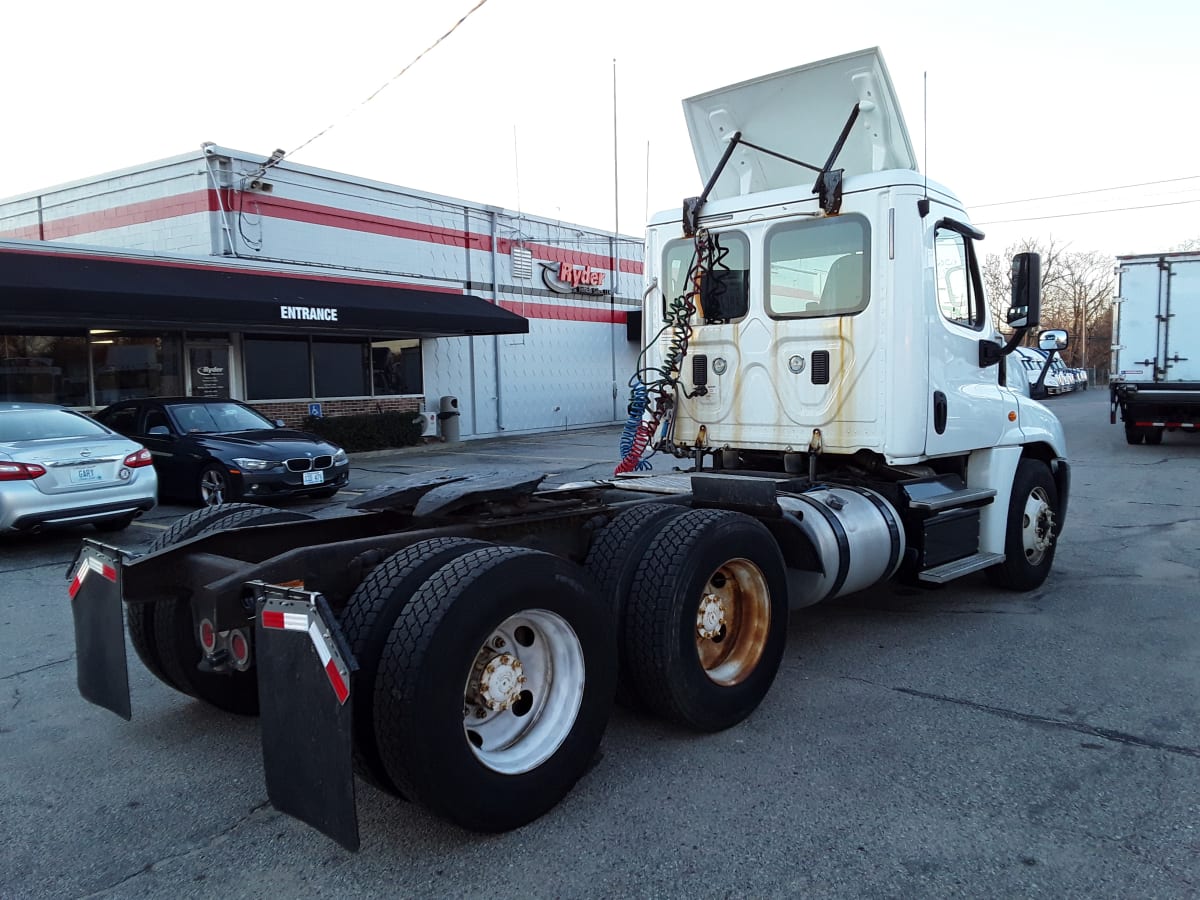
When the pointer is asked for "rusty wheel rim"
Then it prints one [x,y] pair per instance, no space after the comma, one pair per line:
[733,619]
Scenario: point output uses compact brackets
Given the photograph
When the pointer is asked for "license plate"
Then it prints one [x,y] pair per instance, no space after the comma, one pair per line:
[85,474]
[317,477]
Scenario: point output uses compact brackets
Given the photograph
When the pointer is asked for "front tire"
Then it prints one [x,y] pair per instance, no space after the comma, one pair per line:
[495,687]
[1030,536]
[1134,435]
[707,619]
[1154,436]
[215,486]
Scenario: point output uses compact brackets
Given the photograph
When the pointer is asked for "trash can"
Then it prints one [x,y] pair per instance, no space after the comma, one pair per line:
[448,419]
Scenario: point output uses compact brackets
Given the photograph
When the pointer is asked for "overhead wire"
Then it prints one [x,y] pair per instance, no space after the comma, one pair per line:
[379,90]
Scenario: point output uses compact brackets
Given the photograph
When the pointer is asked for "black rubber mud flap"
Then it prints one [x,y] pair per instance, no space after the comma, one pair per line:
[100,667]
[304,669]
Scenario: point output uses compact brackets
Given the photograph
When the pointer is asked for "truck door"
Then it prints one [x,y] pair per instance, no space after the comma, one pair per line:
[968,408]
[1141,326]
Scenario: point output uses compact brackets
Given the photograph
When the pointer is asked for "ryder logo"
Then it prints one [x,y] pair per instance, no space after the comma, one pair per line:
[565,278]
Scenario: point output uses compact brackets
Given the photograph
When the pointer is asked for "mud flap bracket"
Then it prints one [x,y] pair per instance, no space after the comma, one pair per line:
[304,676]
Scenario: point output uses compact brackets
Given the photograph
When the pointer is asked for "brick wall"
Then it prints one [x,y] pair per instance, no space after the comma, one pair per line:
[294,412]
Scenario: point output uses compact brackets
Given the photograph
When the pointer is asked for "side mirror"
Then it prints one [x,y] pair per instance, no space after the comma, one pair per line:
[159,431]
[1026,308]
[1054,339]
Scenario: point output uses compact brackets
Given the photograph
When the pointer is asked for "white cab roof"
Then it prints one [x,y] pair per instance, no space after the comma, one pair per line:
[800,112]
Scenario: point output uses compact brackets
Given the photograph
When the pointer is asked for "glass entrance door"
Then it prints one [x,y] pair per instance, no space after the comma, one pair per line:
[208,370]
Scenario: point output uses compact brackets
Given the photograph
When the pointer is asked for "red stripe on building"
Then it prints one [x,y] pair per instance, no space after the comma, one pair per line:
[567,313]
[209,201]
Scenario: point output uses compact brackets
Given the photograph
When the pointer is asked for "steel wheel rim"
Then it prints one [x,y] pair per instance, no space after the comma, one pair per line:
[212,488]
[524,692]
[733,621]
[1037,526]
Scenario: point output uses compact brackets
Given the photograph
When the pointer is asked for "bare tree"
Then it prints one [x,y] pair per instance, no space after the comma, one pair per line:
[1188,245]
[1077,291]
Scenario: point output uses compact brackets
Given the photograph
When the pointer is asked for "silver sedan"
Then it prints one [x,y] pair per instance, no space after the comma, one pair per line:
[59,467]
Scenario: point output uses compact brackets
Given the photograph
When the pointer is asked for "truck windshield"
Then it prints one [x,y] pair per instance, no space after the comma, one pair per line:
[819,268]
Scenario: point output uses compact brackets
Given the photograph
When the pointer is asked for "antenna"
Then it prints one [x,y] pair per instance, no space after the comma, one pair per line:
[517,172]
[616,192]
[923,203]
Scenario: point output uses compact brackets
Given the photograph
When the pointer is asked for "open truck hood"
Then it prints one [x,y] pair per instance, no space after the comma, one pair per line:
[800,112]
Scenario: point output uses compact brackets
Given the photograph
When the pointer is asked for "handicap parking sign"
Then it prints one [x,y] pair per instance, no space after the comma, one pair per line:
[314,410]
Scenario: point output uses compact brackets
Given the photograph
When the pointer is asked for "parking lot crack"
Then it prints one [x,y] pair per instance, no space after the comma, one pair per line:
[46,665]
[1108,734]
[216,839]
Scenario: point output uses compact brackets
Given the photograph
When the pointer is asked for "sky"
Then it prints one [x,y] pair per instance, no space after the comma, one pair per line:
[515,108]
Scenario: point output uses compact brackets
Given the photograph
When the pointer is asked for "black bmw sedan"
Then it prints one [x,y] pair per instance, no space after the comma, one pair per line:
[218,451]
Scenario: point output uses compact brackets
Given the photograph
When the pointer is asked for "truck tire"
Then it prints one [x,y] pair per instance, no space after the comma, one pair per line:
[1029,541]
[1154,436]
[177,642]
[706,622]
[495,686]
[1133,434]
[139,617]
[612,561]
[366,623]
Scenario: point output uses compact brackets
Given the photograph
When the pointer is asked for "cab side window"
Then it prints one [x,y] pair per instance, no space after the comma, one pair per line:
[959,287]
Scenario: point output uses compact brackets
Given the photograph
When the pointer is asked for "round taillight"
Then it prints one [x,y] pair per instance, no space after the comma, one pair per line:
[239,647]
[208,636]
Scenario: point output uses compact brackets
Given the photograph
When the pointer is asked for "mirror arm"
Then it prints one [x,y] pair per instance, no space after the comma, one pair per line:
[990,353]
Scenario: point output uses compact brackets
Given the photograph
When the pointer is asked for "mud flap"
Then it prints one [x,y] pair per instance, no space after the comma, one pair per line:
[100,667]
[304,668]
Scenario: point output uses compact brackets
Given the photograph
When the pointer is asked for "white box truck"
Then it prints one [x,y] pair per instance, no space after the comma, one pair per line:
[822,371]
[1156,345]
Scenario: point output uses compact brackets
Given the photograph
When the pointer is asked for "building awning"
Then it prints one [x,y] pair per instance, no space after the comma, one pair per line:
[75,288]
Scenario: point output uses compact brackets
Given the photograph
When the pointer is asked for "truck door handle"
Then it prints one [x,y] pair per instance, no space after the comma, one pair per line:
[939,412]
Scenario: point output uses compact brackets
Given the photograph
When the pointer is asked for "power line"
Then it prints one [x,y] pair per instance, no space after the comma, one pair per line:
[1119,187]
[1091,212]
[379,90]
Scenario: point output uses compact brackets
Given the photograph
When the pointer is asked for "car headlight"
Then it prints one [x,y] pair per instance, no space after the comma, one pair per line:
[255,465]
[339,456]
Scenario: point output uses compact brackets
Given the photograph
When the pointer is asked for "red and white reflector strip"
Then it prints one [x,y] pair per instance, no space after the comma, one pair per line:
[294,615]
[285,621]
[91,564]
[1183,425]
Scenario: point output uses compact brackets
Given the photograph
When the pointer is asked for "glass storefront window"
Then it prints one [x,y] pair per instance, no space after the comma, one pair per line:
[396,367]
[277,368]
[44,369]
[130,366]
[340,368]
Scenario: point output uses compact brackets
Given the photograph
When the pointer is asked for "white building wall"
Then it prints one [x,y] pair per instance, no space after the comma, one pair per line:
[231,204]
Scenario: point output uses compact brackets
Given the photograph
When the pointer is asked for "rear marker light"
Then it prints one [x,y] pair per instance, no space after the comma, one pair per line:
[239,647]
[208,636]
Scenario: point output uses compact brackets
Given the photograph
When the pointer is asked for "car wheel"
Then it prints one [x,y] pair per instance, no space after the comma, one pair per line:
[215,487]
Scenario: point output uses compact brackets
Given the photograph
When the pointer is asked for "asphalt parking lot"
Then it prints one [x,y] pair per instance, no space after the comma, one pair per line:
[964,742]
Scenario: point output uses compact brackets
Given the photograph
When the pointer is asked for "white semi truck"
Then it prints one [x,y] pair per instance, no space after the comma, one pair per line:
[820,372]
[1156,345]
